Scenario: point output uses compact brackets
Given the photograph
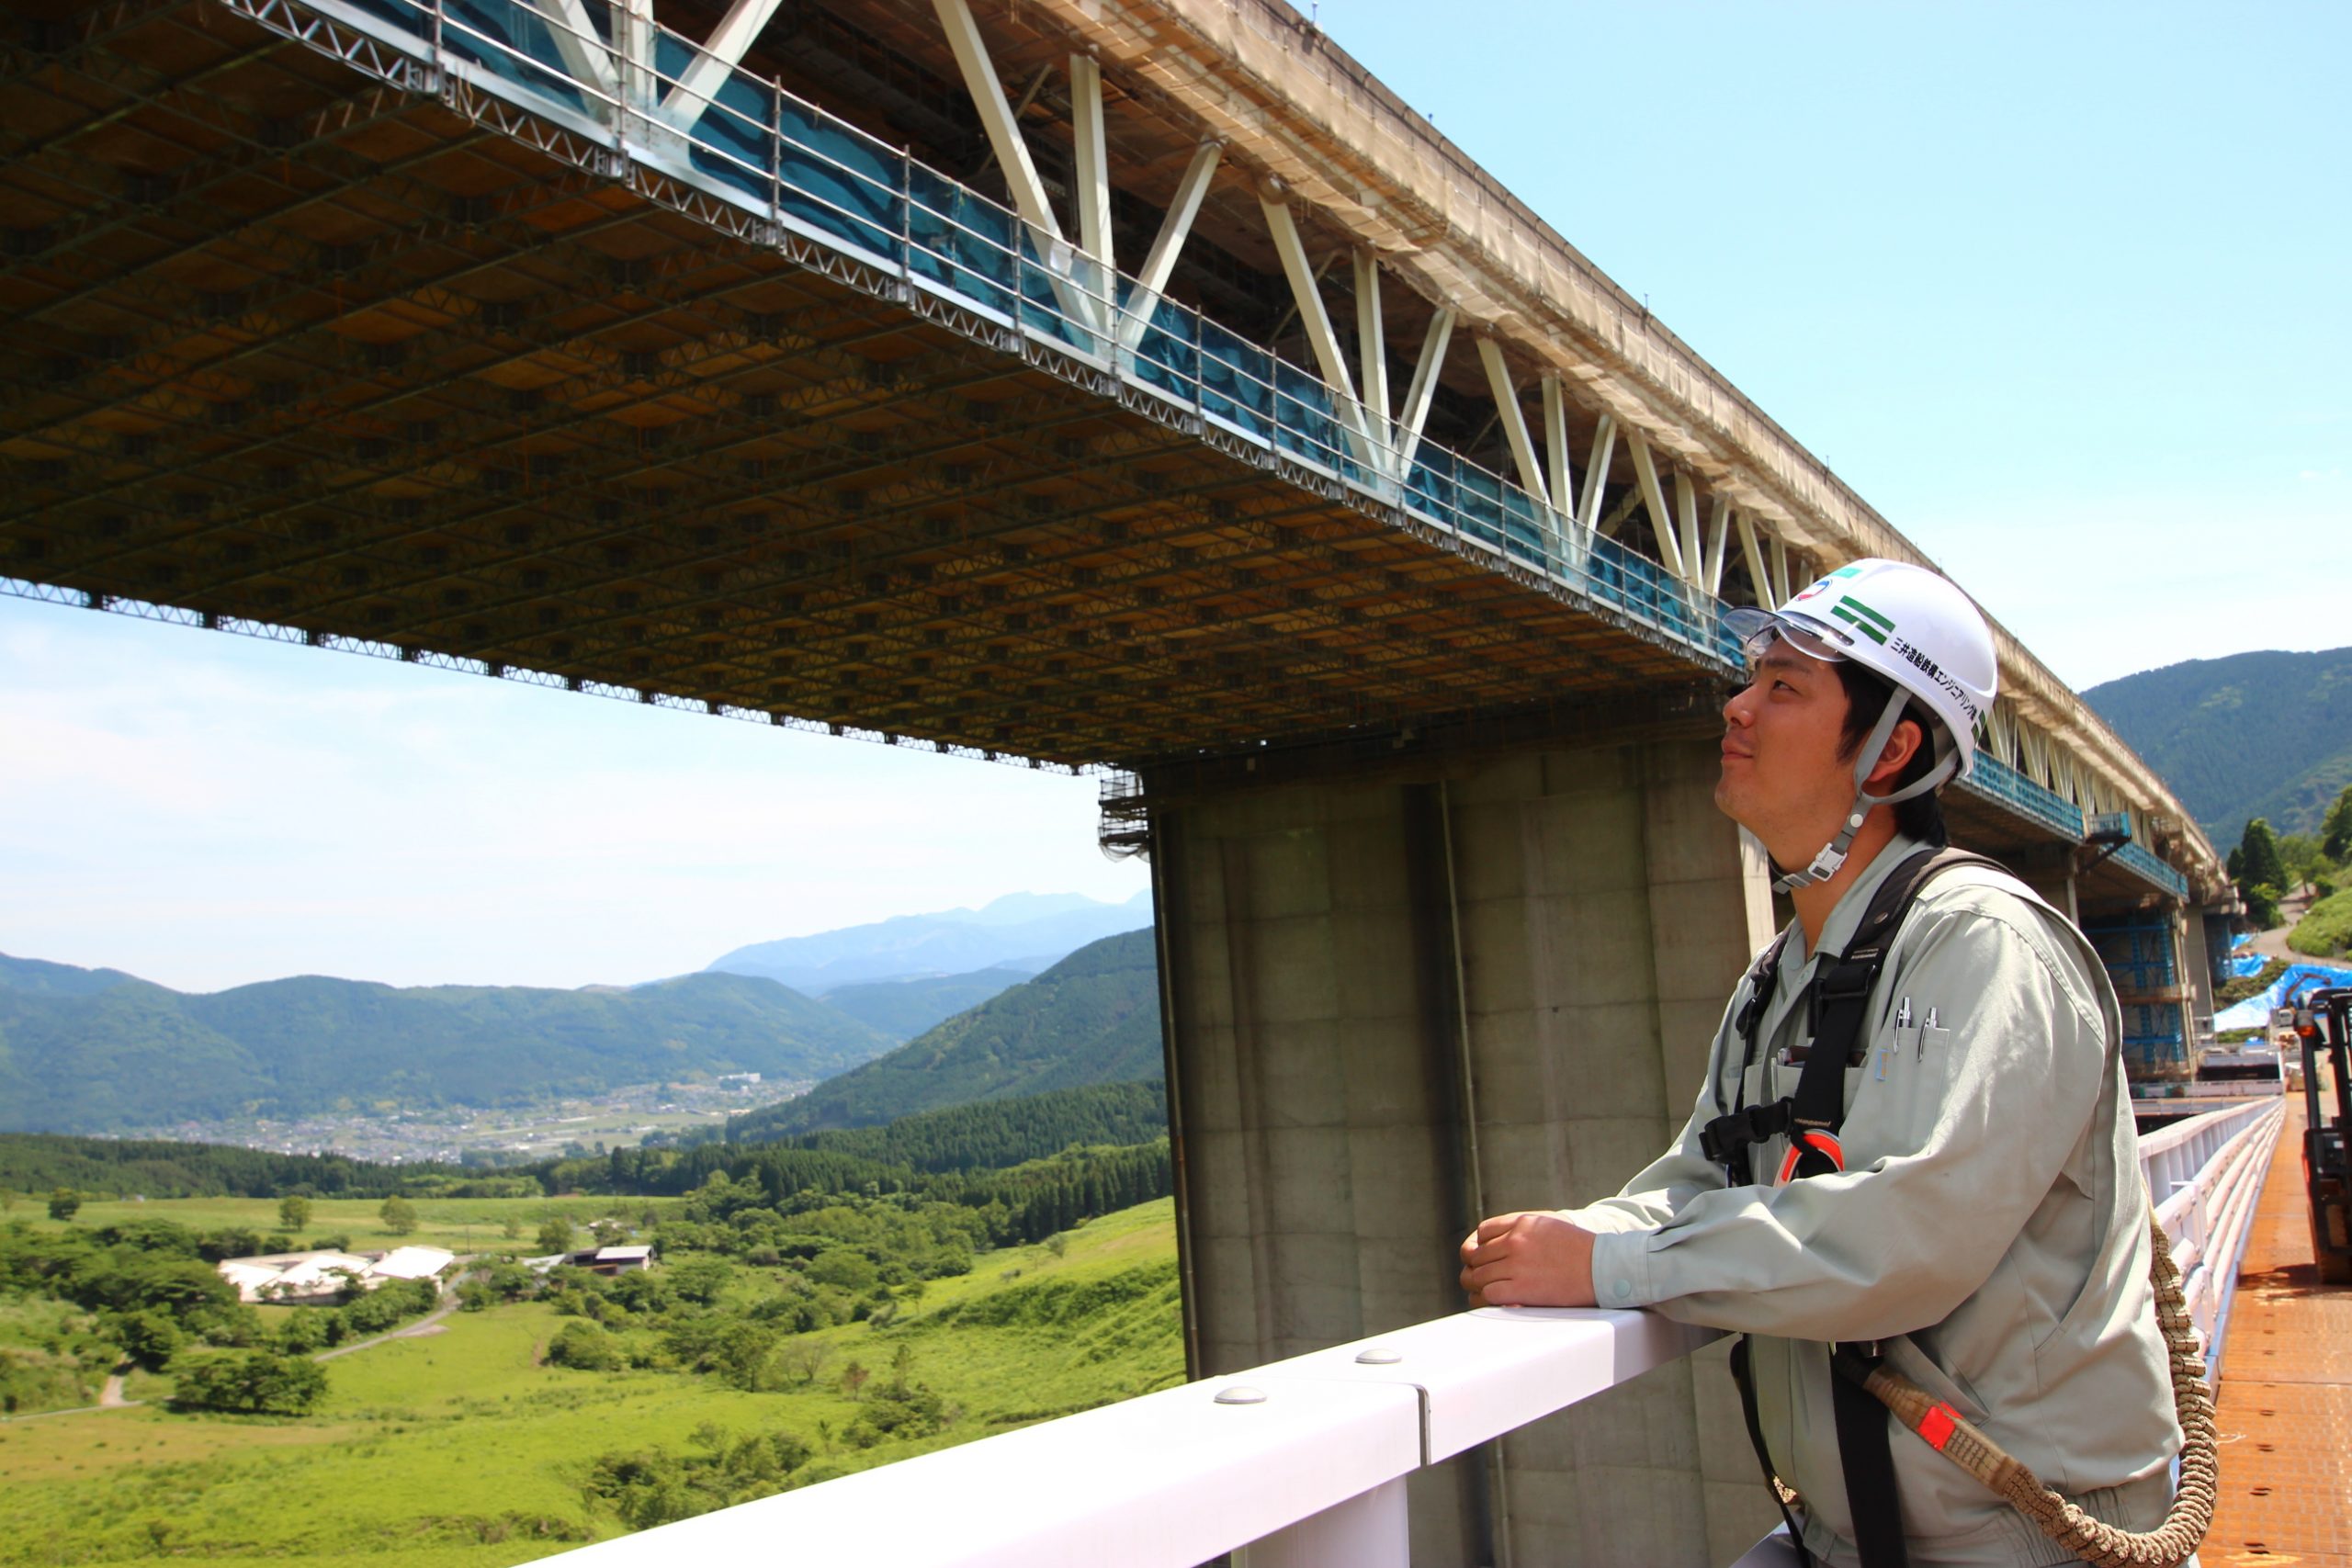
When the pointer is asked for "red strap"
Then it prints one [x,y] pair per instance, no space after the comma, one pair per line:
[1824,1143]
[1938,1425]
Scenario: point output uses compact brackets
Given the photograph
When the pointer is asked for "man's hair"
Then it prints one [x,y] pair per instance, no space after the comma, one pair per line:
[1922,816]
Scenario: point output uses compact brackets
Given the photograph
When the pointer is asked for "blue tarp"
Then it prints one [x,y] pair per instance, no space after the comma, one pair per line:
[2243,965]
[2255,1012]
[2240,940]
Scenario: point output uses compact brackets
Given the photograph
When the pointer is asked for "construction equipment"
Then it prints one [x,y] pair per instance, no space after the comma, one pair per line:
[2323,1023]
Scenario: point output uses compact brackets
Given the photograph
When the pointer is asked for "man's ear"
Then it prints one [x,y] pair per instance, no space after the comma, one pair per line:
[1900,747]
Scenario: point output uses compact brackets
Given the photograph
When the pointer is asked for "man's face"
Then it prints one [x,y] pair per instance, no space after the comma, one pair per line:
[1782,779]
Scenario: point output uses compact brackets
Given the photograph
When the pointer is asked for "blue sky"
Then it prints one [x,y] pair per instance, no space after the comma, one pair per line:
[2060,289]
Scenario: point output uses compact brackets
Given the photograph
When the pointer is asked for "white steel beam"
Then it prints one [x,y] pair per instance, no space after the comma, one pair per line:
[1686,516]
[1596,473]
[1779,572]
[1720,531]
[1317,322]
[633,34]
[1094,160]
[1174,229]
[996,116]
[706,72]
[1555,448]
[1372,344]
[1514,420]
[1416,412]
[577,42]
[1654,499]
[1758,576]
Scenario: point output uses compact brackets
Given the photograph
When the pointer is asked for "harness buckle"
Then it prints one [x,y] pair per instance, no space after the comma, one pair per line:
[1728,1137]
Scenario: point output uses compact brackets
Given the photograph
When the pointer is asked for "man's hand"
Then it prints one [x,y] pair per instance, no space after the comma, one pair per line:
[1528,1259]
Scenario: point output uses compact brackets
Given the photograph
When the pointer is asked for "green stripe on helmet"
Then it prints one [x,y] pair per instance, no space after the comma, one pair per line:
[1859,624]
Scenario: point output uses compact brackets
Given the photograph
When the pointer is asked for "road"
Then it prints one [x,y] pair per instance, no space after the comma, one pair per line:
[429,1323]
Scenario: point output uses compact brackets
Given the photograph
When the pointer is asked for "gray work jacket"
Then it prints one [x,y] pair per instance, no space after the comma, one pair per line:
[1990,1224]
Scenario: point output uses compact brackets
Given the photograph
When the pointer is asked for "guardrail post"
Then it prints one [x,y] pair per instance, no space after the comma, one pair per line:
[1369,1532]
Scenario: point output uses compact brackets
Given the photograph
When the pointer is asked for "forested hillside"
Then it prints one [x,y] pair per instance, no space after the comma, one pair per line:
[97,1056]
[2253,735]
[904,1008]
[1092,1018]
[153,1167]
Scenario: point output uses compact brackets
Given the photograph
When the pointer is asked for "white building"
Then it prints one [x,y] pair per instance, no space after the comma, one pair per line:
[313,1277]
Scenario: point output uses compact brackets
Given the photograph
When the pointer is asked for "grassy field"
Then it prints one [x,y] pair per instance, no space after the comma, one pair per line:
[461,1224]
[460,1450]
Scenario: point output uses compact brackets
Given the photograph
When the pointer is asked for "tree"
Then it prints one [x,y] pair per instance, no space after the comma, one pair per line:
[853,1378]
[2302,855]
[2336,829]
[2262,873]
[586,1347]
[2261,864]
[293,1212]
[399,1216]
[555,1234]
[254,1382]
[510,1227]
[64,1203]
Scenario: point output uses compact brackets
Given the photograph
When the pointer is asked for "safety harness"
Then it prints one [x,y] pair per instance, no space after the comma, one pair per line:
[1810,1118]
[1863,1391]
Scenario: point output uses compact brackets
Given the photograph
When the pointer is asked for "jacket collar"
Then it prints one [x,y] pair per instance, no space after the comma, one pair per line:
[1839,928]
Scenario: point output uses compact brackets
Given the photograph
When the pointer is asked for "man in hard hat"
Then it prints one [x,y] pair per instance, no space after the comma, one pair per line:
[1973,1209]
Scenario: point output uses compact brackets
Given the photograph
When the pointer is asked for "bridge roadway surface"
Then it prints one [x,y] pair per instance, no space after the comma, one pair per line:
[2285,1401]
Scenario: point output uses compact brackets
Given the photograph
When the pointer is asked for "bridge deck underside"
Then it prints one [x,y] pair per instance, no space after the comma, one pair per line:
[294,346]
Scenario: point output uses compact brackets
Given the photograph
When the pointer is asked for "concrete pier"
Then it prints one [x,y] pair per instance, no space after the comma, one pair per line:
[1400,1000]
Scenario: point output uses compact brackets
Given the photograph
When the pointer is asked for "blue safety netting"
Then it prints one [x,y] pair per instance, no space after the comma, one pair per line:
[2255,1010]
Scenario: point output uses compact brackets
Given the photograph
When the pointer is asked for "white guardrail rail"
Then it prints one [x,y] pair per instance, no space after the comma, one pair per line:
[1302,1463]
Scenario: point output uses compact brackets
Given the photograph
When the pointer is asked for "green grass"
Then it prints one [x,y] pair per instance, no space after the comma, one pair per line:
[461,1224]
[459,1450]
[2326,930]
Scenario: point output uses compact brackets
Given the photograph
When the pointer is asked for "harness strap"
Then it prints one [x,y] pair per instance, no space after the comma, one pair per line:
[1866,1453]
[1811,1119]
[1782,1494]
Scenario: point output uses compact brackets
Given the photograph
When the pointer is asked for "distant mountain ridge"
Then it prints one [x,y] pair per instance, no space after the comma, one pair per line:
[1092,1018]
[1025,931]
[2251,734]
[94,1051]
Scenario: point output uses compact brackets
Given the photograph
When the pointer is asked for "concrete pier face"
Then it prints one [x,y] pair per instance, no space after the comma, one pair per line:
[2197,962]
[1398,1003]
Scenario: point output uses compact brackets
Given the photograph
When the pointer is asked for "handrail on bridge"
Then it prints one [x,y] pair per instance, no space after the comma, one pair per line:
[1302,1462]
[792,175]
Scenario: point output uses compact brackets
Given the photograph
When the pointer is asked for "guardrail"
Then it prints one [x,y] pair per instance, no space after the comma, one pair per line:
[1997,782]
[1303,1462]
[614,90]
[2205,1175]
[2151,870]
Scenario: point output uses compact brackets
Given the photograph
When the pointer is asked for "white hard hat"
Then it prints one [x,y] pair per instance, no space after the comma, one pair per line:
[1919,631]
[1903,621]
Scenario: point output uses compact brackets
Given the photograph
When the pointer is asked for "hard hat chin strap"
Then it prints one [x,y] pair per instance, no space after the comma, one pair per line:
[1832,857]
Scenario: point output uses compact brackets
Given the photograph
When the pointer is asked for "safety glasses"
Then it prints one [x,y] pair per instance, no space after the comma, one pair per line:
[1759,629]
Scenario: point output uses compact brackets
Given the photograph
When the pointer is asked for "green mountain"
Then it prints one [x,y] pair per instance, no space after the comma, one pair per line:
[2253,735]
[1092,1018]
[904,1008]
[77,1057]
[56,979]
